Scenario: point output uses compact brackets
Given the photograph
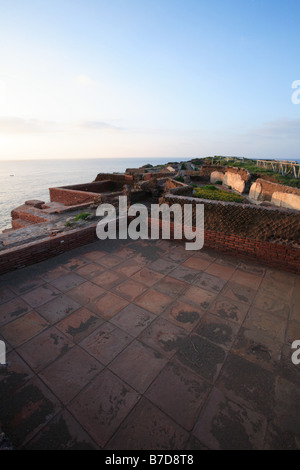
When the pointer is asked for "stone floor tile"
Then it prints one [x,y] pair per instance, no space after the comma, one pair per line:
[20,284]
[195,262]
[109,261]
[153,301]
[62,433]
[24,328]
[229,309]
[293,332]
[41,295]
[256,347]
[75,263]
[248,384]
[272,305]
[108,279]
[102,406]
[67,281]
[201,356]
[226,425]
[13,309]
[94,255]
[90,270]
[53,273]
[198,297]
[44,348]
[209,282]
[180,393]
[106,342]
[86,292]
[247,279]
[163,266]
[138,365]
[133,319]
[79,324]
[129,289]
[59,308]
[148,428]
[109,304]
[67,376]
[171,286]
[217,330]
[235,291]
[128,267]
[184,274]
[163,336]
[14,375]
[25,412]
[183,315]
[270,325]
[221,271]
[6,295]
[147,277]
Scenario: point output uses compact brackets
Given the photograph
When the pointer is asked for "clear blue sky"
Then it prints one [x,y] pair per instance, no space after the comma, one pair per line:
[121,78]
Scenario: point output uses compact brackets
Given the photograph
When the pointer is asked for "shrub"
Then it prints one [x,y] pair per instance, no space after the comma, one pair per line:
[180,179]
[219,182]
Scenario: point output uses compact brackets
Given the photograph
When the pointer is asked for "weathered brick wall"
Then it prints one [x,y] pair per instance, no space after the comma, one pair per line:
[95,187]
[70,197]
[121,178]
[250,221]
[269,188]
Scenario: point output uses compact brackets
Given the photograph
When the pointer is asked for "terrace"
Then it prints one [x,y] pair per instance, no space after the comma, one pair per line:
[144,345]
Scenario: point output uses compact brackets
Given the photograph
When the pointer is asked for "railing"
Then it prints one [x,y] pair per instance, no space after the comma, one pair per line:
[284,167]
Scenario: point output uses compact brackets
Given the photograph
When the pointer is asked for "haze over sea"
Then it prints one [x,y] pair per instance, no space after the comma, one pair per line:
[32,178]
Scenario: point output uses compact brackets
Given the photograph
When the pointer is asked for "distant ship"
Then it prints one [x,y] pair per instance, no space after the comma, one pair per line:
[11,175]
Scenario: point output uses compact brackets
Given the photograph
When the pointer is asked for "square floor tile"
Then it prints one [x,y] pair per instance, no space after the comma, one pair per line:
[197,263]
[109,261]
[148,428]
[153,301]
[239,292]
[210,282]
[147,277]
[79,324]
[129,289]
[102,406]
[62,433]
[248,384]
[110,304]
[183,315]
[221,271]
[198,297]
[94,255]
[201,356]
[44,348]
[75,263]
[41,295]
[133,319]
[70,373]
[229,309]
[90,270]
[271,305]
[256,347]
[184,274]
[128,268]
[247,279]
[24,328]
[163,336]
[108,279]
[21,284]
[217,330]
[14,375]
[67,282]
[53,273]
[86,292]
[106,342]
[271,325]
[26,411]
[225,425]
[6,294]
[171,286]
[179,393]
[138,365]
[59,308]
[13,309]
[163,266]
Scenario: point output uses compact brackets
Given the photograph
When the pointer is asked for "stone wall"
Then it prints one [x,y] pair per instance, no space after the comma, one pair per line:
[277,194]
[121,178]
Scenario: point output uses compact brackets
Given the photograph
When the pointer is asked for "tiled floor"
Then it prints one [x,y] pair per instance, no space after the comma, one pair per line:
[143,345]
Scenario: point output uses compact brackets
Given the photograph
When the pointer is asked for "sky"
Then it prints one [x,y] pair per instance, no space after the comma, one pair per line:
[149,78]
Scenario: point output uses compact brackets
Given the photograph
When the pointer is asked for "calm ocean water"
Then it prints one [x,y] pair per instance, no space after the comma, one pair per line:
[32,178]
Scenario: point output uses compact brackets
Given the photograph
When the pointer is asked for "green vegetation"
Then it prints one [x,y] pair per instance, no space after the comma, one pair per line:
[82,216]
[183,166]
[216,194]
[219,182]
[180,179]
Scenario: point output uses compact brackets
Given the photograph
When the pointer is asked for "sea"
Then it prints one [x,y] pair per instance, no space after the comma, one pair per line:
[21,180]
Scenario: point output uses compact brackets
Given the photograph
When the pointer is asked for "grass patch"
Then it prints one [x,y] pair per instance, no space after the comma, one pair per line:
[180,179]
[206,192]
[82,216]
